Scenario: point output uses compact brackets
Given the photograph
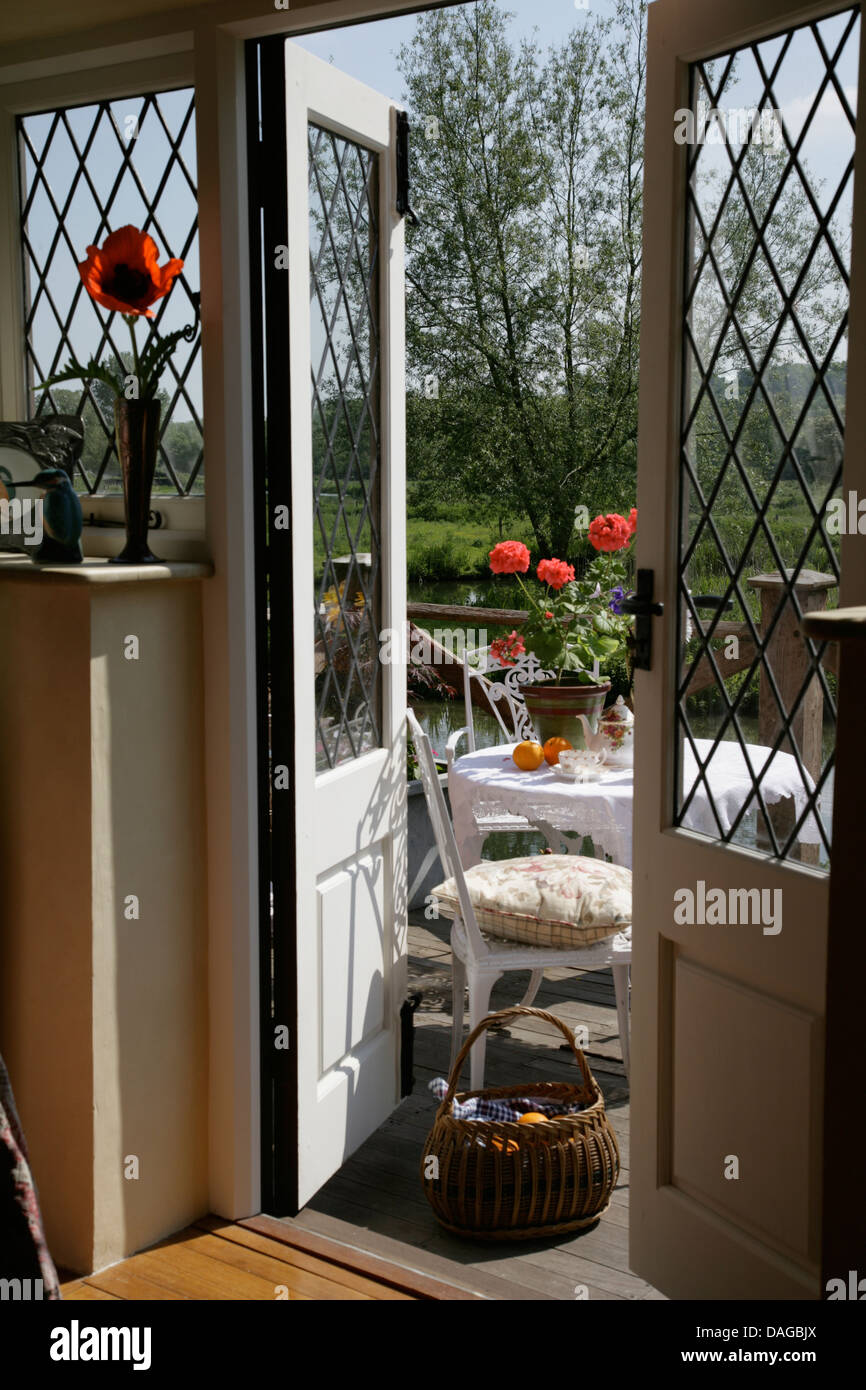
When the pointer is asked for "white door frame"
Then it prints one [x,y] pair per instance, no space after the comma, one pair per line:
[230,658]
[350,819]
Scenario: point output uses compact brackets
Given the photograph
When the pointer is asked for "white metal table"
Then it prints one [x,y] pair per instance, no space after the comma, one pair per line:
[486,785]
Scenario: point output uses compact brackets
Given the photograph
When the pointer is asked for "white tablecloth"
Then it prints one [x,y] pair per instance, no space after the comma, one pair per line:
[487,785]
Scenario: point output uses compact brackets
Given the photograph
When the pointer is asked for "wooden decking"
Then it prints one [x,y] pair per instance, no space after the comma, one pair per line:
[376,1201]
[369,1234]
[259,1259]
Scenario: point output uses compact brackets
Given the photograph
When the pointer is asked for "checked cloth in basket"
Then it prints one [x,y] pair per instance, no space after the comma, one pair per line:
[499,1108]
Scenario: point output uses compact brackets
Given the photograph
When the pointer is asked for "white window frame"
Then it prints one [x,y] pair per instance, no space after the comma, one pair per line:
[184,517]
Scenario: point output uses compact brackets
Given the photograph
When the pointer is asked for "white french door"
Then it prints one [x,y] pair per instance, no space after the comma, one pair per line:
[746,340]
[346,355]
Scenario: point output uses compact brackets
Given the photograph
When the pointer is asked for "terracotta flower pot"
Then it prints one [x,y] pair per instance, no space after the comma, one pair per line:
[136,425]
[553,708]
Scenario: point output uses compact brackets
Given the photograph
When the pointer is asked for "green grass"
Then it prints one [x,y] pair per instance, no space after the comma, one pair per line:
[447,549]
[457,549]
[452,543]
[790,522]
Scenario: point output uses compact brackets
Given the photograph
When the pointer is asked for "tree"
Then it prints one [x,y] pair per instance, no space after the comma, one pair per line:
[756,244]
[524,273]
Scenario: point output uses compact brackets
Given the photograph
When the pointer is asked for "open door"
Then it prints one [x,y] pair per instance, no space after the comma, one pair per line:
[747,336]
[348,567]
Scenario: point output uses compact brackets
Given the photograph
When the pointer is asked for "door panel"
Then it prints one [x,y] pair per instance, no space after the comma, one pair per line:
[351,915]
[345,261]
[728,1020]
[711,1101]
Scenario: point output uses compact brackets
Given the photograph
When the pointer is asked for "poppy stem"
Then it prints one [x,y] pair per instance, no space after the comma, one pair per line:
[130,321]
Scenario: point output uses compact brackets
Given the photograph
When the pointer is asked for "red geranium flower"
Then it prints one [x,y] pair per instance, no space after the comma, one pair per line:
[509,557]
[548,614]
[632,521]
[610,532]
[125,275]
[555,573]
[506,650]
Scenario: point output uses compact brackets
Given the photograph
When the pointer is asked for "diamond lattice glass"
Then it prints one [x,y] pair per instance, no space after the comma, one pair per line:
[764,361]
[344,276]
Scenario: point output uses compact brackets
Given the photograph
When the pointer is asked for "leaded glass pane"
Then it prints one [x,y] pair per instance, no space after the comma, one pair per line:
[769,207]
[344,296]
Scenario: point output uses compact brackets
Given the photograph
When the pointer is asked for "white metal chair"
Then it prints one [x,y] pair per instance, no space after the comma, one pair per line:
[480,961]
[506,695]
[502,696]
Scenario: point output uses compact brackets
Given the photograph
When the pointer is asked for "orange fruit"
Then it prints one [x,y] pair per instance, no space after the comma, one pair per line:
[528,755]
[553,747]
[511,1145]
[532,1117]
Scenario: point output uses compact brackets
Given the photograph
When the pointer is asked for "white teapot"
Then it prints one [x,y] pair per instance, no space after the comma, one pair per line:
[615,735]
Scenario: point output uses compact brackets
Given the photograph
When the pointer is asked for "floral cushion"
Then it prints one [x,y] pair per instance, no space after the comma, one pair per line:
[559,900]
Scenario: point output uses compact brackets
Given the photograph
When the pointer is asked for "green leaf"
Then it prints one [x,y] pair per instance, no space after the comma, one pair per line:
[73,371]
[578,666]
[602,646]
[157,353]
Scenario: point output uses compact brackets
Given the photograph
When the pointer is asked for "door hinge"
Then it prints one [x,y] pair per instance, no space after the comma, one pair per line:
[404,207]
[407,1040]
[643,607]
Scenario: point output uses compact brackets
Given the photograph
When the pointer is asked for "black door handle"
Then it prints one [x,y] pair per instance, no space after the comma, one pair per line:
[644,608]
[714,601]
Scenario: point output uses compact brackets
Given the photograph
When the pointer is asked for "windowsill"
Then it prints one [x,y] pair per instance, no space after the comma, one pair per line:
[175,544]
[15,568]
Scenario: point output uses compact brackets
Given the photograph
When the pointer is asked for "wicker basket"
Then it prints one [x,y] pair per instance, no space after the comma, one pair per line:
[498,1180]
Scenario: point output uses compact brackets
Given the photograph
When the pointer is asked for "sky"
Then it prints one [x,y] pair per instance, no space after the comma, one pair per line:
[367,52]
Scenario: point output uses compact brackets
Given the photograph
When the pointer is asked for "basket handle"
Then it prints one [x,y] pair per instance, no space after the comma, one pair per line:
[491,1021]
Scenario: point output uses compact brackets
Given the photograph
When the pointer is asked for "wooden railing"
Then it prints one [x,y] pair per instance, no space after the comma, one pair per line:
[788,658]
[455,613]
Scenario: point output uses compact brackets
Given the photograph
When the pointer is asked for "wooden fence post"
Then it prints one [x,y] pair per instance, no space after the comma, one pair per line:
[787,656]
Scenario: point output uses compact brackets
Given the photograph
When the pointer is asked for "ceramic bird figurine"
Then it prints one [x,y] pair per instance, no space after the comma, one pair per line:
[62,521]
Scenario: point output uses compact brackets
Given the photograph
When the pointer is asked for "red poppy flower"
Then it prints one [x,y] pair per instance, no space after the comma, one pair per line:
[555,573]
[125,274]
[609,532]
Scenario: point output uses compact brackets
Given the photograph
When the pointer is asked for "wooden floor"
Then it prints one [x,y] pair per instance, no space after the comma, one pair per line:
[376,1201]
[258,1259]
[370,1233]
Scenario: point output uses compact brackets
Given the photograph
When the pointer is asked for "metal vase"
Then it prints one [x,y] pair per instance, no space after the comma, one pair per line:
[136,426]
